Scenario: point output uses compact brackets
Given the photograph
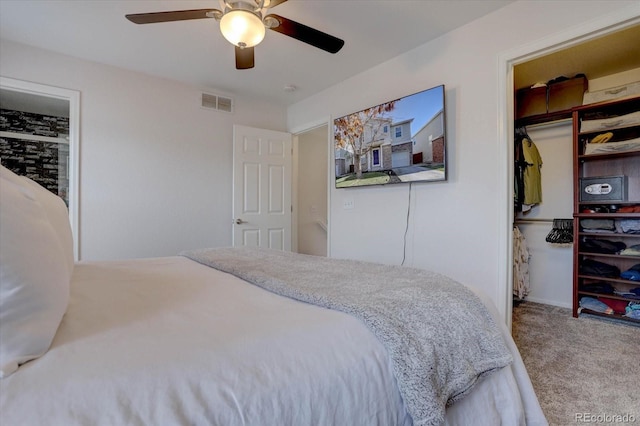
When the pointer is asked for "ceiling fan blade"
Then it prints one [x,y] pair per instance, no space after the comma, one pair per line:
[176,15]
[244,58]
[274,3]
[306,34]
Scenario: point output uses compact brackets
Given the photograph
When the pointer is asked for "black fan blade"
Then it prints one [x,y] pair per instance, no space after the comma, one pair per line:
[306,34]
[244,58]
[176,15]
[274,3]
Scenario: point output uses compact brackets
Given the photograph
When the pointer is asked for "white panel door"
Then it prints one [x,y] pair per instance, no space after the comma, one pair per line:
[261,188]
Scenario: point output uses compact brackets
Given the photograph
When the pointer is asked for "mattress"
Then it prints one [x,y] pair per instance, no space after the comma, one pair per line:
[168,341]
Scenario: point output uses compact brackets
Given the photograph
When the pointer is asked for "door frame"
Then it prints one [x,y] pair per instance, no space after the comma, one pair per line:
[73,97]
[621,19]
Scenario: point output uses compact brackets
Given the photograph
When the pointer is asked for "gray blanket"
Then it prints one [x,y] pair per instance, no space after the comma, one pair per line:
[440,337]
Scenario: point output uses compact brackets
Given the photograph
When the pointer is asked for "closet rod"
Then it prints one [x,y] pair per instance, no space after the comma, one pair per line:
[525,221]
[549,124]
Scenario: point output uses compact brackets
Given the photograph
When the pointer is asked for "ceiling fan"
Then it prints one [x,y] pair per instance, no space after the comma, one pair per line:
[243,23]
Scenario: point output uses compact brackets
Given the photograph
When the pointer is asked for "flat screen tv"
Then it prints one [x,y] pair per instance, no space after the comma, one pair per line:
[398,141]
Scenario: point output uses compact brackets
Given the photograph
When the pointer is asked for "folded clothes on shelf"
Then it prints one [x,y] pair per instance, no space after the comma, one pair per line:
[598,269]
[629,209]
[596,245]
[618,306]
[599,287]
[633,310]
[592,225]
[595,305]
[627,226]
[633,250]
[632,273]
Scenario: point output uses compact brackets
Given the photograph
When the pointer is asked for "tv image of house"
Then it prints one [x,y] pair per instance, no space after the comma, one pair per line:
[378,145]
[429,141]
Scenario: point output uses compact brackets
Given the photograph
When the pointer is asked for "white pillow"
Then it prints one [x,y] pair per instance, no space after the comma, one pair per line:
[34,272]
[58,215]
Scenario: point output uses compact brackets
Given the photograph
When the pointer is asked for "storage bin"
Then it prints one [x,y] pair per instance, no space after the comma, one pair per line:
[567,94]
[605,124]
[531,101]
[618,92]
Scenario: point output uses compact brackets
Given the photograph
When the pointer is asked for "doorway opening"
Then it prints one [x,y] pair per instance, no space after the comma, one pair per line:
[588,32]
[40,139]
[311,189]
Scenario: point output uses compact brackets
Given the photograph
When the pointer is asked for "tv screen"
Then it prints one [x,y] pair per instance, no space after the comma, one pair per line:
[395,142]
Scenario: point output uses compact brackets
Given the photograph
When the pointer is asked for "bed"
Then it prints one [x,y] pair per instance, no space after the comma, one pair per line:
[238,337]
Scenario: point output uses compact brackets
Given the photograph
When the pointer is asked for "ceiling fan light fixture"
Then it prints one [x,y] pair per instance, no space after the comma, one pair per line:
[242,28]
[244,23]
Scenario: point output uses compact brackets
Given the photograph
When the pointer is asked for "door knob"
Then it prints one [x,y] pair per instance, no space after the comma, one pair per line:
[239,221]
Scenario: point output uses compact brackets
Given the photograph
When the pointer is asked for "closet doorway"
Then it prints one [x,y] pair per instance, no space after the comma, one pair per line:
[560,51]
[40,139]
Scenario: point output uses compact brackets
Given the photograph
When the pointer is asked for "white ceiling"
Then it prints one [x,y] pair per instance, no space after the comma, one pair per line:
[195,52]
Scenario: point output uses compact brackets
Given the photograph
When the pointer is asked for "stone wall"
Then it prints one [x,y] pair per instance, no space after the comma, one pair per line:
[44,162]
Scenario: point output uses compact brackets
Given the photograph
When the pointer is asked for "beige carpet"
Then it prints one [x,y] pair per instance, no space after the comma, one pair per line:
[584,370]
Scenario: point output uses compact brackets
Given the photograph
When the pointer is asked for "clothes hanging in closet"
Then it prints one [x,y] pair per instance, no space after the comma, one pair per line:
[528,177]
[520,264]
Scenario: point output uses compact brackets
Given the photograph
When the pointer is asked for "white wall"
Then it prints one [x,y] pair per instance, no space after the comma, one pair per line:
[155,168]
[454,227]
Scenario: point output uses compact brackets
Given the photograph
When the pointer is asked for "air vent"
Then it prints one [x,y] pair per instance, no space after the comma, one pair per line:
[217,102]
[224,104]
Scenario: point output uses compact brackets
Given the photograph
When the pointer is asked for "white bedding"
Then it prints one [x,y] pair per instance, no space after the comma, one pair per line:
[168,341]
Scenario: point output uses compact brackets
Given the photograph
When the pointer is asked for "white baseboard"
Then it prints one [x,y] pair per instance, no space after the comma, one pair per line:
[548,302]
